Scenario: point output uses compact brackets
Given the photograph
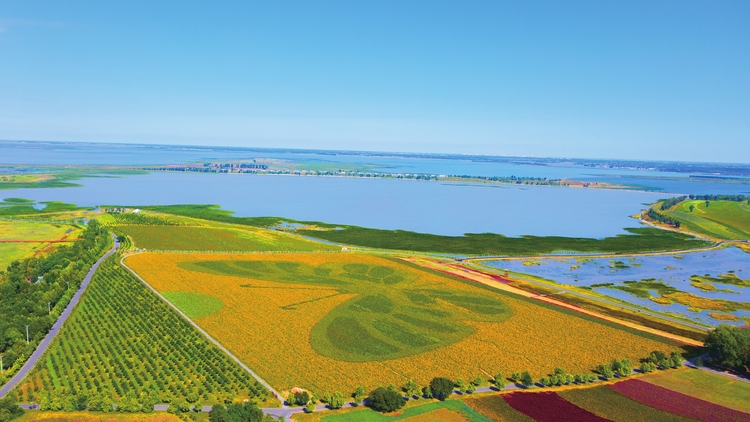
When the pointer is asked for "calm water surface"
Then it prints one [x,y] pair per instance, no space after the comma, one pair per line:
[429,207]
[32,153]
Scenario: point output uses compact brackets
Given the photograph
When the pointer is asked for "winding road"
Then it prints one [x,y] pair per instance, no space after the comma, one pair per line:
[44,344]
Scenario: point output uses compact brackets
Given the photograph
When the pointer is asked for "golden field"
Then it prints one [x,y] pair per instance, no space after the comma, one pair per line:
[268,325]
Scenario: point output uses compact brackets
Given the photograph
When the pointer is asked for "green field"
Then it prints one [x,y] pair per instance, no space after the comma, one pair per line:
[122,338]
[392,317]
[194,305]
[720,219]
[639,240]
[609,404]
[177,238]
[704,385]
[23,230]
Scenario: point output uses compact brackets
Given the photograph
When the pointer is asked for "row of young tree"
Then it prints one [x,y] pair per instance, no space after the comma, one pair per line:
[34,291]
[391,398]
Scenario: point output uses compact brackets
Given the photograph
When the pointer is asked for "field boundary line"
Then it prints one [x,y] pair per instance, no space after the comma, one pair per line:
[205,334]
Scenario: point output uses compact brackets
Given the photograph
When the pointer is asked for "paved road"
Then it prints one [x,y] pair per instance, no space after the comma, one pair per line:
[29,365]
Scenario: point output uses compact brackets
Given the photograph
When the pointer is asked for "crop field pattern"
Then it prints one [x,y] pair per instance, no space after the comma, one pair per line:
[331,322]
[123,338]
[177,238]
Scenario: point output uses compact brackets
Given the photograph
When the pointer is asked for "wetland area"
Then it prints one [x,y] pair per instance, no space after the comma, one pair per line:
[710,278]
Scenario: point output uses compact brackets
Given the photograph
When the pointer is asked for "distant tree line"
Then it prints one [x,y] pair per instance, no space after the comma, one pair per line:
[733,198]
[669,203]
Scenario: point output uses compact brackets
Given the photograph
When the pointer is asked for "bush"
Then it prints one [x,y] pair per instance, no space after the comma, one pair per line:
[526,379]
[385,400]
[441,388]
[499,380]
[337,401]
[605,370]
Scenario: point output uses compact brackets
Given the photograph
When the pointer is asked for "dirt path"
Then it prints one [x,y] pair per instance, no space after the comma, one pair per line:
[503,284]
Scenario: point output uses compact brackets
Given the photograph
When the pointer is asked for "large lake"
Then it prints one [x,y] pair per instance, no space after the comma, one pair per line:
[32,153]
[429,207]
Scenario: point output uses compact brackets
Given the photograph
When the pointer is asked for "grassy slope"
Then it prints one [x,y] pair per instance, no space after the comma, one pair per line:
[721,219]
[704,385]
[642,239]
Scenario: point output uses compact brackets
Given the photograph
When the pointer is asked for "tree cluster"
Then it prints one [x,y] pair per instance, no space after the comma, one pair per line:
[729,347]
[560,377]
[657,216]
[9,409]
[671,202]
[238,412]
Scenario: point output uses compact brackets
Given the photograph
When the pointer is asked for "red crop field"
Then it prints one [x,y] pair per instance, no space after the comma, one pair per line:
[677,403]
[548,406]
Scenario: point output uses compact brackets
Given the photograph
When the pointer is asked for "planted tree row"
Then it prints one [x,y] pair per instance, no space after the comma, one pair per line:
[123,340]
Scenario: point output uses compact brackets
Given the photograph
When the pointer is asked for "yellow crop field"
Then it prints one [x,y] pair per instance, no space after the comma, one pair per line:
[287,315]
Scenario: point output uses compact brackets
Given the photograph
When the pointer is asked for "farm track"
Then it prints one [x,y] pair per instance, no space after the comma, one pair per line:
[480,277]
[45,343]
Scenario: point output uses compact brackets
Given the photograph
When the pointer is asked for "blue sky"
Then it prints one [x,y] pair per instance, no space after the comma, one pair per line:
[607,79]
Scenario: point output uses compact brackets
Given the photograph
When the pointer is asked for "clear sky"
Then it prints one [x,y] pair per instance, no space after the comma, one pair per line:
[606,79]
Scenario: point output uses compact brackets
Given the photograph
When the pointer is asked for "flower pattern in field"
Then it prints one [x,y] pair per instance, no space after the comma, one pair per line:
[677,403]
[282,327]
[391,316]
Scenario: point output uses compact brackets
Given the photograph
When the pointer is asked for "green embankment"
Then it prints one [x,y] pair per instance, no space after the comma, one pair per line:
[639,240]
[720,219]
